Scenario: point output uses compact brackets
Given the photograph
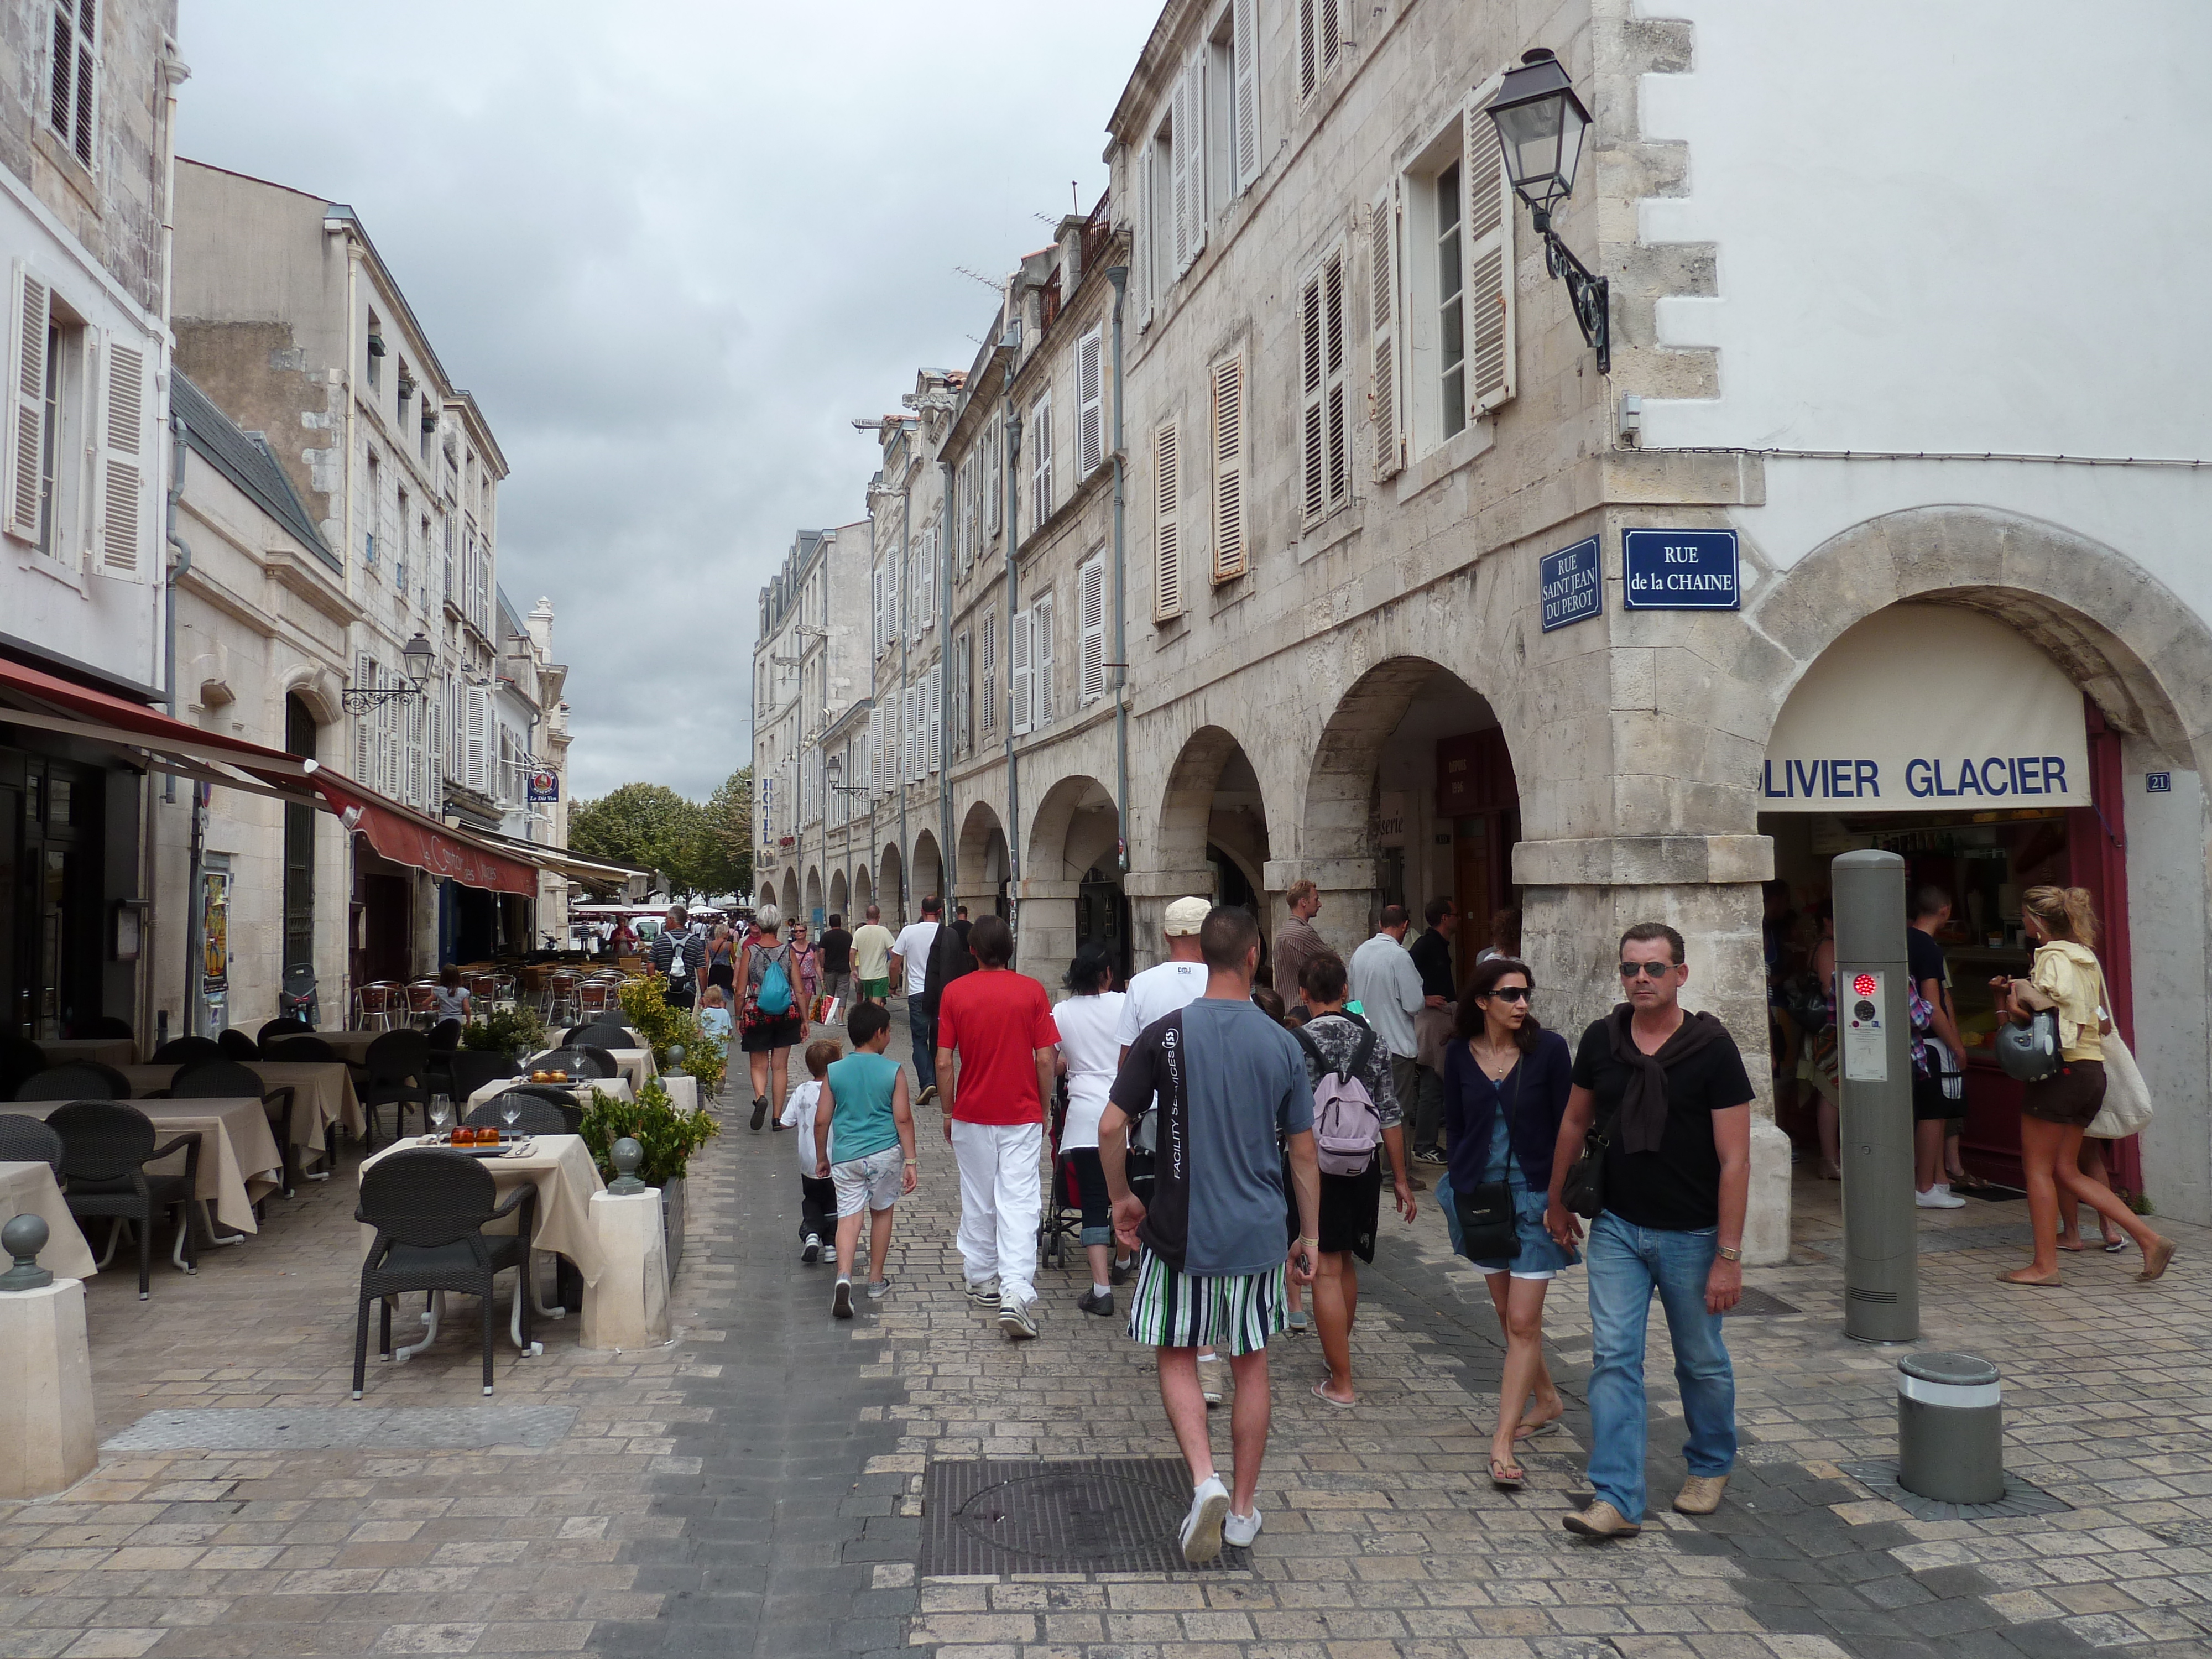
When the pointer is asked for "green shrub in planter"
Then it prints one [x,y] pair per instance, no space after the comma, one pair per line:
[516,1032]
[645,1010]
[668,1135]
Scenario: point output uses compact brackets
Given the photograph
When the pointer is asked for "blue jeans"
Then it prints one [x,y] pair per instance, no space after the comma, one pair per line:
[1627,1263]
[924,1024]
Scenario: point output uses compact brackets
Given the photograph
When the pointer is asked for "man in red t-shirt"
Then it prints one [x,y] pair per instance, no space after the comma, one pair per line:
[999,1023]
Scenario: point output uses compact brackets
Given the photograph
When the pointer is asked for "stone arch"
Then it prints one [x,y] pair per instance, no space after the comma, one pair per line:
[789,902]
[1075,827]
[1072,893]
[319,689]
[813,891]
[982,868]
[891,885]
[1186,807]
[767,892]
[864,895]
[839,892]
[928,877]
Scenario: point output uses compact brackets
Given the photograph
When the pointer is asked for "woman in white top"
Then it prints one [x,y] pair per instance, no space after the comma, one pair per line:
[1090,1052]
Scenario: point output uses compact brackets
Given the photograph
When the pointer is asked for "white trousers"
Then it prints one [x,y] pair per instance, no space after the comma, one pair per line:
[1001,1202]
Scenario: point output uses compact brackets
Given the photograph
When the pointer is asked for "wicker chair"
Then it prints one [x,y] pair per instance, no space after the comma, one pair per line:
[105,1148]
[468,1070]
[576,1062]
[107,1025]
[76,1079]
[227,1079]
[236,1045]
[20,1060]
[283,1027]
[398,1065]
[535,1114]
[299,1050]
[601,1033]
[182,1051]
[429,1208]
[28,1141]
[445,1036]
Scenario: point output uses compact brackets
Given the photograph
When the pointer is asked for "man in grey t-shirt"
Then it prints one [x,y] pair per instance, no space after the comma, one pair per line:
[1232,1089]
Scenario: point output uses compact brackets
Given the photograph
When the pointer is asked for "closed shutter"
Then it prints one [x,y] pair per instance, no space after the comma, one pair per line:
[1313,429]
[1167,529]
[1040,633]
[1040,435]
[995,496]
[1090,404]
[479,739]
[1335,361]
[962,666]
[119,497]
[417,751]
[1193,136]
[433,720]
[937,717]
[1383,392]
[1489,282]
[875,613]
[1245,59]
[1230,554]
[27,405]
[990,699]
[364,677]
[1090,585]
[894,618]
[1144,252]
[1019,680]
[1183,121]
[1321,41]
[928,592]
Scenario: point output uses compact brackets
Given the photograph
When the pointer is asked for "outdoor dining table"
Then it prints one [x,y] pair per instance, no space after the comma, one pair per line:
[29,1189]
[102,1051]
[618,1086]
[322,1094]
[636,1065]
[351,1047]
[240,1164]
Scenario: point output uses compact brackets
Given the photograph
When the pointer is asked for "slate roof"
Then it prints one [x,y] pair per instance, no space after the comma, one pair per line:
[247,461]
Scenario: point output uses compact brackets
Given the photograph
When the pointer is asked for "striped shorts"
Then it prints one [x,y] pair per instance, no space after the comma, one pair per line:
[1235,1314]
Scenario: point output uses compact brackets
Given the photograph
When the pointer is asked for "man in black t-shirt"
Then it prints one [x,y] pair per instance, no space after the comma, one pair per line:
[1932,1108]
[834,947]
[1670,1090]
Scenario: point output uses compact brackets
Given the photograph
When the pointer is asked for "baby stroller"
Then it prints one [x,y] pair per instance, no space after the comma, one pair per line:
[1061,1222]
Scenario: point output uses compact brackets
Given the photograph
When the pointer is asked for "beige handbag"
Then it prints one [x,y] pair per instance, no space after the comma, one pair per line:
[2126,1110]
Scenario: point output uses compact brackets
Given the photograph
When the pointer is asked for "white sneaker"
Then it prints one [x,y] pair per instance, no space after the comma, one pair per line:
[1209,1382]
[1241,1529]
[1201,1528]
[984,1292]
[811,1251]
[1017,1319]
[1939,1197]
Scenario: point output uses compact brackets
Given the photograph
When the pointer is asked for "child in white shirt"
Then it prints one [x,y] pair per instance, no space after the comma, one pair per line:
[817,1194]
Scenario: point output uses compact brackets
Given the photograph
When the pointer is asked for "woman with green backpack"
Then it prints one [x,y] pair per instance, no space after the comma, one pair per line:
[773,1018]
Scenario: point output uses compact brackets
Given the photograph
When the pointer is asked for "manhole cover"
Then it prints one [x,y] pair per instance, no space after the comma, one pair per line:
[1095,1515]
[1754,1303]
[2021,1497]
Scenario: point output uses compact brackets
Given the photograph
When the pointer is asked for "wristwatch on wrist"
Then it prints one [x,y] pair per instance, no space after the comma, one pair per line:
[1730,1253]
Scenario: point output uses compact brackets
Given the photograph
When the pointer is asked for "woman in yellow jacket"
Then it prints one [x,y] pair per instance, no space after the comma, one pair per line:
[2057,1110]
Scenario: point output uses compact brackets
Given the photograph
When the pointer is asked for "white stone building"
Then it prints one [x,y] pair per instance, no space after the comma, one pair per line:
[1899,465]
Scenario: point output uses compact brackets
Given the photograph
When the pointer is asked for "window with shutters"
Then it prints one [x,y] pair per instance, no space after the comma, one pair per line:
[1167,525]
[936,716]
[964,693]
[994,493]
[1090,403]
[45,398]
[1232,103]
[1321,42]
[73,76]
[1042,697]
[1021,679]
[1451,347]
[1038,434]
[1225,428]
[987,702]
[1324,417]
[1384,413]
[1090,595]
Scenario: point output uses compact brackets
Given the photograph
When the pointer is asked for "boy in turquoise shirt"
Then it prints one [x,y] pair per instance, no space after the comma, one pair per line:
[866,1093]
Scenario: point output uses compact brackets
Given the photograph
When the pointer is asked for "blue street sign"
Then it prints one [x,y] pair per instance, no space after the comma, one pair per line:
[1680,570]
[2157,783]
[1572,583]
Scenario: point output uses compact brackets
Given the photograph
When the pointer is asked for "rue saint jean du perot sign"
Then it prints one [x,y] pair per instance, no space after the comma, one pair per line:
[1572,583]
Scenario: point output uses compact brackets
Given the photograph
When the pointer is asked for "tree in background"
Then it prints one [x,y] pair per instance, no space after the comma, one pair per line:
[702,850]
[729,823]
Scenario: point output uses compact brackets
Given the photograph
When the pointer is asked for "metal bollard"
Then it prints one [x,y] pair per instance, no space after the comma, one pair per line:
[1950,1428]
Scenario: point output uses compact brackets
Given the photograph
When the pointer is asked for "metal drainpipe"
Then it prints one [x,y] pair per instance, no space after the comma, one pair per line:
[178,566]
[947,855]
[1013,599]
[1119,276]
[898,620]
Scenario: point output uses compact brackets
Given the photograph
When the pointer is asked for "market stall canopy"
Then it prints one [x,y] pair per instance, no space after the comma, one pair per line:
[1926,708]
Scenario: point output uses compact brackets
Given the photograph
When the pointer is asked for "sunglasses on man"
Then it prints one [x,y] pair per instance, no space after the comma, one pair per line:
[1648,969]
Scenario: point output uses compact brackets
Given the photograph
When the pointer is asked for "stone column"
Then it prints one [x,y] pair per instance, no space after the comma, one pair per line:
[45,1407]
[1047,941]
[1150,893]
[1578,895]
[629,1306]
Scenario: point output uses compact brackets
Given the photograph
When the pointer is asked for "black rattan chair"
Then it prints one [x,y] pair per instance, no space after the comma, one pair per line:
[108,1025]
[28,1141]
[237,1045]
[105,1148]
[576,1062]
[76,1079]
[184,1050]
[283,1027]
[227,1079]
[467,1070]
[600,1035]
[430,1206]
[535,1115]
[20,1060]
[399,1066]
[445,1036]
[299,1050]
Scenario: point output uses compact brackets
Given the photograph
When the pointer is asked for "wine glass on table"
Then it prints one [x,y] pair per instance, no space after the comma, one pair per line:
[510,1110]
[441,1113]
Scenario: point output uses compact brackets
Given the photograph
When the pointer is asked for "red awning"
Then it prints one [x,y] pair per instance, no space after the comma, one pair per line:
[408,837]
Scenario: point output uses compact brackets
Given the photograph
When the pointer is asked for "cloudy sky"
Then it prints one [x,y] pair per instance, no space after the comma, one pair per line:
[673,250]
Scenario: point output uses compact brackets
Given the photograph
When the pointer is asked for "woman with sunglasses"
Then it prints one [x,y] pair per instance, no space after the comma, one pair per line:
[1506,1090]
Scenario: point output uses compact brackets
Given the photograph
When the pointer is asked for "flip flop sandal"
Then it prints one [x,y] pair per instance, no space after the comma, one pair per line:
[1507,1477]
[1530,1430]
[1341,1405]
[2114,1246]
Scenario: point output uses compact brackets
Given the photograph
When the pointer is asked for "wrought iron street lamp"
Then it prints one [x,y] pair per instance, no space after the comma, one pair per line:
[1540,127]
[420,659]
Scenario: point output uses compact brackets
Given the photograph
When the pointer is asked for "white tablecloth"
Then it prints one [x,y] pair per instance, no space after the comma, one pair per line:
[566,1178]
[323,1093]
[618,1087]
[637,1065]
[238,1160]
[104,1051]
[29,1189]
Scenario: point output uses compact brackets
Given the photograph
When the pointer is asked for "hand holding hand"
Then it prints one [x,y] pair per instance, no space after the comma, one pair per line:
[1563,1225]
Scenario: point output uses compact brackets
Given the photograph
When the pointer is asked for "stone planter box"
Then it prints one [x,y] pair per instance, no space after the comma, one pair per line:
[672,1225]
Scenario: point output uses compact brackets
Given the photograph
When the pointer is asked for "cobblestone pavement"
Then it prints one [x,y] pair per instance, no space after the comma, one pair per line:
[755,1487]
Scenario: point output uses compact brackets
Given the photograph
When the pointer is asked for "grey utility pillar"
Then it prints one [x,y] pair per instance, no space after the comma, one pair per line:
[1874,1054]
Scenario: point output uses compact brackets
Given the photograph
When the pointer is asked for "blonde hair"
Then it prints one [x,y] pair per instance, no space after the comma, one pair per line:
[2068,912]
[822,1054]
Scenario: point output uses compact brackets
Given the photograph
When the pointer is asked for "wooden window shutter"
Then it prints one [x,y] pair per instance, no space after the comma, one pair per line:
[27,405]
[1040,437]
[1090,597]
[480,739]
[119,503]
[1090,403]
[1245,59]
[1383,391]
[1309,56]
[1194,75]
[990,705]
[875,613]
[995,504]
[1183,121]
[1488,284]
[1230,552]
[1167,529]
[930,538]
[417,751]
[1040,633]
[961,667]
[1020,681]
[364,676]
[1142,249]
[1335,353]
[894,619]
[937,717]
[1313,499]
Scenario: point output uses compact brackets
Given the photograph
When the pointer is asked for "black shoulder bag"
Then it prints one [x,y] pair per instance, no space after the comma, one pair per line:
[1488,1229]
[1583,1189]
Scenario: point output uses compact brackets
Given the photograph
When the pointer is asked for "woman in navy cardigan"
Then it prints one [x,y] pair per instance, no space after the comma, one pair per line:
[1505,1090]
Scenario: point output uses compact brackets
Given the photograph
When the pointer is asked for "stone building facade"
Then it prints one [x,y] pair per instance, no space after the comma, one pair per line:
[1355,437]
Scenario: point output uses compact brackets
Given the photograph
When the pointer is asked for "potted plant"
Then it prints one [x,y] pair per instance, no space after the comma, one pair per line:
[668,1136]
[516,1032]
[645,1006]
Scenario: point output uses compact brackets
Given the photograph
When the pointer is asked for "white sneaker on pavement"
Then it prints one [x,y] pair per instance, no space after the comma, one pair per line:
[1201,1528]
[1241,1529]
[1939,1197]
